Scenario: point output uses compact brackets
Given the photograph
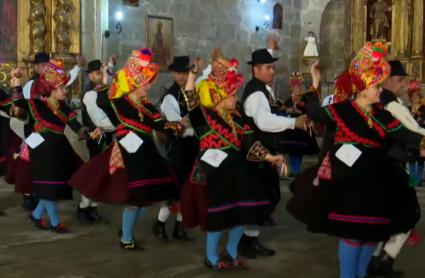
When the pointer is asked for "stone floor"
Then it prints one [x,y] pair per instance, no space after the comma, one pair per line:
[94,251]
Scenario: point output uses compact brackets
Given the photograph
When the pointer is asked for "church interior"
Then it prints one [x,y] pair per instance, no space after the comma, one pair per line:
[303,32]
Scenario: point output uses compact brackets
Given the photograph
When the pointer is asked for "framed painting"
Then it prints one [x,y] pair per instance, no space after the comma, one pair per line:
[8,30]
[159,38]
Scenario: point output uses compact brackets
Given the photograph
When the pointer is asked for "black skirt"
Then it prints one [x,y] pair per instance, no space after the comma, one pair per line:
[236,194]
[147,177]
[52,163]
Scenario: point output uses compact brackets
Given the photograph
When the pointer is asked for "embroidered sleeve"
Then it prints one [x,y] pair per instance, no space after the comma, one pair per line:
[191,99]
[257,152]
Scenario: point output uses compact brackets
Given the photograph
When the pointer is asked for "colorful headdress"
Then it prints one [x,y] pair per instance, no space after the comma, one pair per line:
[53,76]
[369,67]
[224,80]
[296,80]
[414,87]
[343,87]
[137,72]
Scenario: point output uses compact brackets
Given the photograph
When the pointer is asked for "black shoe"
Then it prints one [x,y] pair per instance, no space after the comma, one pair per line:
[237,263]
[179,232]
[221,266]
[245,248]
[383,266]
[82,215]
[249,246]
[131,246]
[29,202]
[94,215]
[160,232]
[38,223]
[59,229]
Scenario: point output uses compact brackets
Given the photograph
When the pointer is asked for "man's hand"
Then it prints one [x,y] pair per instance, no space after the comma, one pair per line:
[300,121]
[272,42]
[315,74]
[82,61]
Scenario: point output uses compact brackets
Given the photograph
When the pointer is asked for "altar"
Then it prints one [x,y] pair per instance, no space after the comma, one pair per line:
[398,22]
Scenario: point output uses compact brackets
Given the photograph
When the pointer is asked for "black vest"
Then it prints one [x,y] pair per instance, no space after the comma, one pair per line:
[387,97]
[175,91]
[269,140]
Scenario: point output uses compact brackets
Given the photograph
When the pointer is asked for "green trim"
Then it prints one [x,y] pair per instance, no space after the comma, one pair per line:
[329,113]
[126,124]
[394,129]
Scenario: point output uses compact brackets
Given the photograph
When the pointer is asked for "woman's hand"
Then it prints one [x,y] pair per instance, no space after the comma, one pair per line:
[315,74]
[96,134]
[275,160]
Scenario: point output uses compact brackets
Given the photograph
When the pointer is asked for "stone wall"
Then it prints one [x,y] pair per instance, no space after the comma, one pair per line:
[332,44]
[201,25]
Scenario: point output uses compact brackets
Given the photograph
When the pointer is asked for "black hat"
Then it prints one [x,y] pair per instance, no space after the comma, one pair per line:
[180,64]
[94,66]
[41,57]
[397,68]
[262,56]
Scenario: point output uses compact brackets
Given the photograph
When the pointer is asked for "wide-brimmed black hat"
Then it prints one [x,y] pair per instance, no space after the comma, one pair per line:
[94,66]
[41,57]
[180,64]
[262,56]
[397,68]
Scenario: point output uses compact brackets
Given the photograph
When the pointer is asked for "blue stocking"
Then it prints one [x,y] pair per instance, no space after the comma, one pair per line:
[129,216]
[366,254]
[235,235]
[52,211]
[295,162]
[39,210]
[212,244]
[420,171]
[349,253]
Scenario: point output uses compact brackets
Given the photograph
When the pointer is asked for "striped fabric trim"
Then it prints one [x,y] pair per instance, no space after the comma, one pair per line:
[238,204]
[140,183]
[359,219]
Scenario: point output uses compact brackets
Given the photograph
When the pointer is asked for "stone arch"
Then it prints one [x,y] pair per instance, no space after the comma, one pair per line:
[332,39]
[277,16]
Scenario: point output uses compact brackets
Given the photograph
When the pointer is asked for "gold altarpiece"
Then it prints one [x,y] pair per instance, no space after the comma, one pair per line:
[52,26]
[404,31]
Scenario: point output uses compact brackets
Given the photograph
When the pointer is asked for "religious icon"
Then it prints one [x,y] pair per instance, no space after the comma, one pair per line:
[160,39]
[311,47]
[379,22]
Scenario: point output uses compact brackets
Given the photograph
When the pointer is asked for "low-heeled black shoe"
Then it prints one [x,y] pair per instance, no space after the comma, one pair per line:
[131,246]
[221,266]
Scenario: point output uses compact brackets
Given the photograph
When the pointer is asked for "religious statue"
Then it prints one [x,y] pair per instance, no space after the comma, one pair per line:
[311,48]
[379,20]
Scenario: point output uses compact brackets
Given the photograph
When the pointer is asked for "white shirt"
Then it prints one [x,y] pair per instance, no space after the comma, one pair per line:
[328,100]
[73,76]
[97,115]
[257,106]
[171,109]
[402,113]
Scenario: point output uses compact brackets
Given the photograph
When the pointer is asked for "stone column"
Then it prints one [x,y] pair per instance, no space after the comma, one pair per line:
[418,26]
